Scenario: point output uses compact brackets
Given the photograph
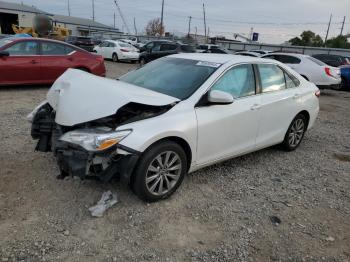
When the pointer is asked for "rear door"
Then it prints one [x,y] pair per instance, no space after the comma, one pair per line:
[55,59]
[22,66]
[279,104]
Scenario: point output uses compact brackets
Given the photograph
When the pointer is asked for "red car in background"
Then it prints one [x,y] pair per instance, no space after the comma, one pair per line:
[42,61]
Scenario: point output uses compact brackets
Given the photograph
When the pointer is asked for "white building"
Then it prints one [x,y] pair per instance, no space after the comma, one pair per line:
[23,15]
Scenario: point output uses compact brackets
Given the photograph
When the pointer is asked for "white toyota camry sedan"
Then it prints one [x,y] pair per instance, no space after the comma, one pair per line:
[173,116]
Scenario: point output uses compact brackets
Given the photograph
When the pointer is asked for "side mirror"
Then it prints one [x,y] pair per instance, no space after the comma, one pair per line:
[142,49]
[219,97]
[4,53]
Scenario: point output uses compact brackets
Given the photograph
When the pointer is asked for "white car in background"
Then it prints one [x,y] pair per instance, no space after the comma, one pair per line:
[117,51]
[175,115]
[248,53]
[310,68]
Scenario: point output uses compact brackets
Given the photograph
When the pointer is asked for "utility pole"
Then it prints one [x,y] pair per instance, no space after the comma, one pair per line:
[208,32]
[189,25]
[342,27]
[93,10]
[205,23]
[135,26]
[162,19]
[329,25]
[195,35]
[114,20]
[68,8]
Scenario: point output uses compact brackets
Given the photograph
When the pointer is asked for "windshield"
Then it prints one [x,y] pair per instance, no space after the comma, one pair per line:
[175,77]
[4,42]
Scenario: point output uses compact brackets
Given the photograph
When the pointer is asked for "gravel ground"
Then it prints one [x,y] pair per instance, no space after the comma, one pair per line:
[266,206]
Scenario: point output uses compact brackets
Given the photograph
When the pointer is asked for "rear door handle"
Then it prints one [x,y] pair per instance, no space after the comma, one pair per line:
[34,62]
[255,107]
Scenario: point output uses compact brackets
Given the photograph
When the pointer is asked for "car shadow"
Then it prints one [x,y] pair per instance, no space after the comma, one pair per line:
[16,88]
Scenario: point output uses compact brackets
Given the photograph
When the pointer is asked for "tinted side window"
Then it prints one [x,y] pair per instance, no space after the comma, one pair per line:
[104,44]
[286,59]
[55,49]
[238,81]
[24,48]
[272,78]
[167,47]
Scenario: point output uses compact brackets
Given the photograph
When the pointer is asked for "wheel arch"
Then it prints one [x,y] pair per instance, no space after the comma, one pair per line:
[180,141]
[306,114]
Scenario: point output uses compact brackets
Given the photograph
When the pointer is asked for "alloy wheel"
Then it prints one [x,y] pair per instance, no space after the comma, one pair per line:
[163,173]
[296,132]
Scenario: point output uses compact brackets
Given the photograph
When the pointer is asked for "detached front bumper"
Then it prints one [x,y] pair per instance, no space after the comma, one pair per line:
[103,165]
[74,160]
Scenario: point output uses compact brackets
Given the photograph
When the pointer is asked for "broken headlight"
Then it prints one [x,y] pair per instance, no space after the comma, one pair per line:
[95,139]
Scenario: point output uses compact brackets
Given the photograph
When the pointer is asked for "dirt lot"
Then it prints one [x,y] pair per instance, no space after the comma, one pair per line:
[221,213]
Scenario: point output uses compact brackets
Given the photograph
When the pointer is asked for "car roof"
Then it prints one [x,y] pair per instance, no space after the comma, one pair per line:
[217,58]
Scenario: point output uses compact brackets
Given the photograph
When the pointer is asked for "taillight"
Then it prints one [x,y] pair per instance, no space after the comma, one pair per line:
[318,93]
[328,71]
[124,50]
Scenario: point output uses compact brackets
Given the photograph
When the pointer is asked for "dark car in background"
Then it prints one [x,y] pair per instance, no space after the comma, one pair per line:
[332,60]
[83,42]
[42,61]
[345,77]
[157,49]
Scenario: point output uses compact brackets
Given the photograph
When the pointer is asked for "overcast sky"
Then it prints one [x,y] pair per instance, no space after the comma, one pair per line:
[276,20]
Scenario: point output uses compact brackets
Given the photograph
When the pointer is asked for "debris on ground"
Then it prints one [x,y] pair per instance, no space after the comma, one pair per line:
[275,220]
[107,200]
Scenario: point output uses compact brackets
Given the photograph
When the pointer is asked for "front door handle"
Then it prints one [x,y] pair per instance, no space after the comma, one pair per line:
[255,107]
[34,62]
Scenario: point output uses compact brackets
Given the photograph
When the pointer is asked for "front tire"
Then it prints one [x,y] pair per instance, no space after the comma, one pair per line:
[160,171]
[295,133]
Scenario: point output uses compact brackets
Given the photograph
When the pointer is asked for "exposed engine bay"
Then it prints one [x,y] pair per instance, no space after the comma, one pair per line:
[77,161]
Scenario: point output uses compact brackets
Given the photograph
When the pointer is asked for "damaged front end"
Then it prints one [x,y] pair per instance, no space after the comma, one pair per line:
[91,149]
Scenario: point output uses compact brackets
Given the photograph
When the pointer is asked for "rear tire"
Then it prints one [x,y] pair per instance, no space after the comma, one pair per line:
[115,58]
[295,133]
[142,62]
[160,171]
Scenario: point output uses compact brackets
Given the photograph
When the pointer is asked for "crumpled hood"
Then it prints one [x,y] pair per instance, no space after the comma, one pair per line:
[79,97]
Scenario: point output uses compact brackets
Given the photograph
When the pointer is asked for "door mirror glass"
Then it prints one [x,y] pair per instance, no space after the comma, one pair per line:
[4,53]
[220,97]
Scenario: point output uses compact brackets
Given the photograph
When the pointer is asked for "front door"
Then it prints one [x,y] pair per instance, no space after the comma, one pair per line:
[228,130]
[22,66]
